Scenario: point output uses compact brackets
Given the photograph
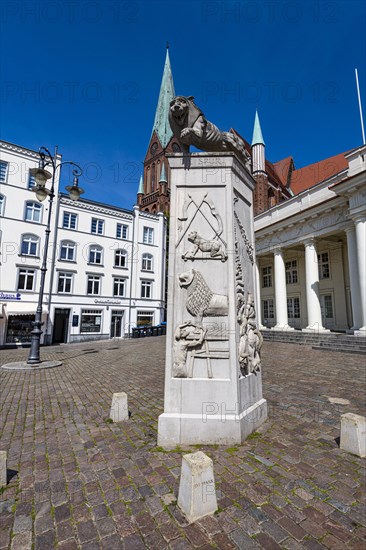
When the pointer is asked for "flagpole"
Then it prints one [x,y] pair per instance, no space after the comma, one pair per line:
[360,107]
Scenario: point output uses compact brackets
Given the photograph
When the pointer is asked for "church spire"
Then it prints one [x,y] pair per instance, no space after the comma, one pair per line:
[258,154]
[257,138]
[167,93]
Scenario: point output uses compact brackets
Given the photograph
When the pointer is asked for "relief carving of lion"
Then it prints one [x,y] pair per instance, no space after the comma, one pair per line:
[190,127]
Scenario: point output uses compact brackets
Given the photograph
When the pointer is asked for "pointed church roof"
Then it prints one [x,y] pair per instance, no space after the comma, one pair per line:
[163,175]
[141,186]
[167,93]
[257,132]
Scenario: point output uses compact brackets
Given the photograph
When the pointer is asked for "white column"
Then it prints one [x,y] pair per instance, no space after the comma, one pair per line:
[280,291]
[312,288]
[353,276]
[360,224]
[258,295]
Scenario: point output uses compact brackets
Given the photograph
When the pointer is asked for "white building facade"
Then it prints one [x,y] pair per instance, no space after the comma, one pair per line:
[310,256]
[105,274]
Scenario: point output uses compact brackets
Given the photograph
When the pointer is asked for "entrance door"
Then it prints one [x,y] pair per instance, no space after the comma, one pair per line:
[117,324]
[60,326]
[326,305]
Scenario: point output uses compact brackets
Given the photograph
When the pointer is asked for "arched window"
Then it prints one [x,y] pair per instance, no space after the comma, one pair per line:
[2,204]
[120,258]
[29,246]
[147,262]
[95,254]
[68,251]
[271,198]
[33,211]
[153,178]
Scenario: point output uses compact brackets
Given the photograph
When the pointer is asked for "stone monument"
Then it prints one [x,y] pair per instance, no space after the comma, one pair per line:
[213,386]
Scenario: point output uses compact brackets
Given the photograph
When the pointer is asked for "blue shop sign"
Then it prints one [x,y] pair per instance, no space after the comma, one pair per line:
[10,296]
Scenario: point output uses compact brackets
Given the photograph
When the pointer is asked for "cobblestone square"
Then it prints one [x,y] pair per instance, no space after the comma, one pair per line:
[77,481]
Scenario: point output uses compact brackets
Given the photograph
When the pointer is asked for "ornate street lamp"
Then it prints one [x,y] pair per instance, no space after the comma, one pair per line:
[41,175]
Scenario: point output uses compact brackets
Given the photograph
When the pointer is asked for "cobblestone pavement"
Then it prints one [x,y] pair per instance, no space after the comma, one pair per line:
[78,481]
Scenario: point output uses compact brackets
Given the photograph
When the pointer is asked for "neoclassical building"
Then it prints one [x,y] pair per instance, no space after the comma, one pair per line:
[311,250]
[106,264]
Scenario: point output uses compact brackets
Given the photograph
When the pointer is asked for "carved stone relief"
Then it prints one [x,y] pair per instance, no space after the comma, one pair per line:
[191,338]
[213,248]
[250,337]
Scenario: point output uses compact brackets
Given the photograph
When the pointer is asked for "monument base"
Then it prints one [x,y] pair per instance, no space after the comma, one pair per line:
[209,419]
[189,429]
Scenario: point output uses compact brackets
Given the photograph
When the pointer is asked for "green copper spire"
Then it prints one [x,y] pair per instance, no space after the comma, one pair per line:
[141,186]
[163,175]
[167,93]
[257,132]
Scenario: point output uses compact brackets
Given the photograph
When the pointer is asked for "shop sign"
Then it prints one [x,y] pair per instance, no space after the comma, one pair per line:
[10,296]
[108,302]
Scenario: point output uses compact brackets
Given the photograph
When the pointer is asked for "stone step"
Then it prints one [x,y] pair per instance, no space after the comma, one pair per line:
[341,350]
[335,341]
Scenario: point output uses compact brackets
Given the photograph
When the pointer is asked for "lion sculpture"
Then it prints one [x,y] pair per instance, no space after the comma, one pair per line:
[201,301]
[190,127]
[214,248]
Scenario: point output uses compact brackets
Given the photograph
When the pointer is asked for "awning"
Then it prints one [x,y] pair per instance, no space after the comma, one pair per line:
[22,308]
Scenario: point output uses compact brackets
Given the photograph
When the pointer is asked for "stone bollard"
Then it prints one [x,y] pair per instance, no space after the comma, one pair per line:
[353,434]
[119,408]
[197,493]
[3,474]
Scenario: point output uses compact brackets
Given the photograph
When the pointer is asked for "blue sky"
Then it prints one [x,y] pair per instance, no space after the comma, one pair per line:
[85,75]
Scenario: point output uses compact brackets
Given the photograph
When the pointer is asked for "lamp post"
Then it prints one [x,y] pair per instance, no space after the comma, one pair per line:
[41,175]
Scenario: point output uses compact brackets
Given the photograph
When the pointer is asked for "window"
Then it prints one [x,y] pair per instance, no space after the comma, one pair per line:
[95,254]
[153,178]
[3,171]
[33,211]
[293,308]
[29,245]
[97,226]
[291,272]
[31,181]
[146,289]
[323,265]
[120,258]
[267,276]
[147,262]
[268,311]
[327,306]
[69,220]
[119,286]
[68,251]
[148,236]
[26,279]
[145,318]
[93,285]
[91,320]
[122,231]
[64,282]
[2,204]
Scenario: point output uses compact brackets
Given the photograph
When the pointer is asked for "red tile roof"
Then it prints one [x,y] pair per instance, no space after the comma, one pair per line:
[282,168]
[310,175]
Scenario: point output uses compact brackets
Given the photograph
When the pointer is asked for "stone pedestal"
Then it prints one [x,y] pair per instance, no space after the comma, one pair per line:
[353,434]
[119,408]
[213,386]
[3,471]
[197,493]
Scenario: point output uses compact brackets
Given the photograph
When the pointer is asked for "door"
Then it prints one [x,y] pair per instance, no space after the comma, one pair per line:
[326,306]
[60,326]
[116,324]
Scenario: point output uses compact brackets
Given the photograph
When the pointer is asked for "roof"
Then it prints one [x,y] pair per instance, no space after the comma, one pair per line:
[167,93]
[141,186]
[257,138]
[282,168]
[310,175]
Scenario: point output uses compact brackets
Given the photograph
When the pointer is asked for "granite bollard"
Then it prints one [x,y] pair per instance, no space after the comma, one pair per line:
[353,434]
[197,493]
[119,408]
